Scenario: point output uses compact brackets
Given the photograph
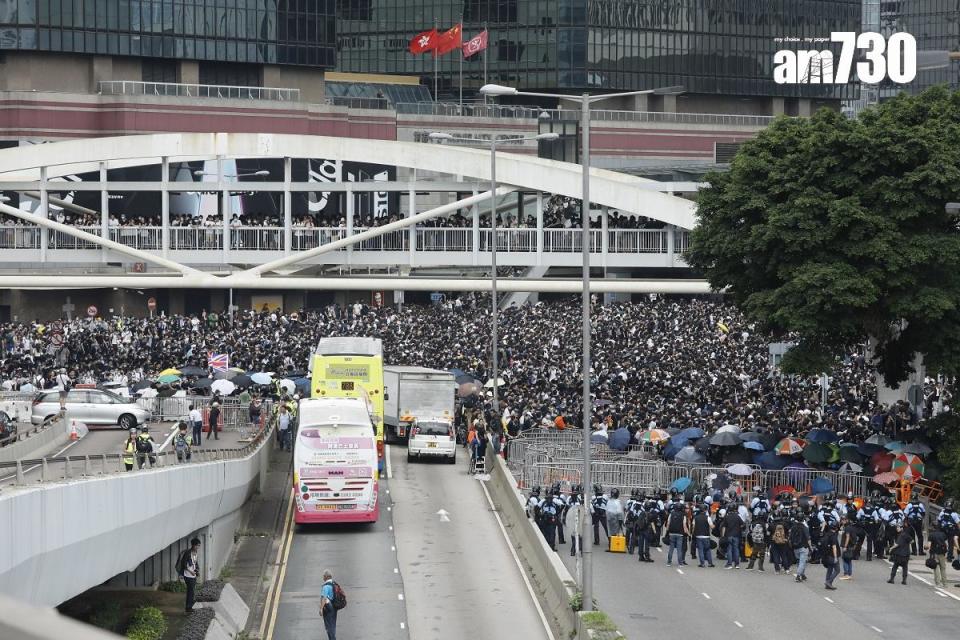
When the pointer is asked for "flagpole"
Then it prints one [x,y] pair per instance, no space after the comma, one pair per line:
[486,52]
[461,61]
[436,97]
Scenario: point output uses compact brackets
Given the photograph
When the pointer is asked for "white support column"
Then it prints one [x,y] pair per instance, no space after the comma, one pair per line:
[348,195]
[412,195]
[44,212]
[604,237]
[224,209]
[287,206]
[165,206]
[104,204]
[539,228]
[671,235]
[475,210]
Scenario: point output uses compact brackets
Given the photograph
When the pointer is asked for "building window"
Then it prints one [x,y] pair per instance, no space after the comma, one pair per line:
[229,74]
[158,70]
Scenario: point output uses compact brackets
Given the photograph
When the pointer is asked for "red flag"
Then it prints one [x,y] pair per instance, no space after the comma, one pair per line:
[449,40]
[475,45]
[426,41]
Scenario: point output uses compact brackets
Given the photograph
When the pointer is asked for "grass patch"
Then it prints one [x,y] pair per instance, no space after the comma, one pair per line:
[173,586]
[598,621]
[147,623]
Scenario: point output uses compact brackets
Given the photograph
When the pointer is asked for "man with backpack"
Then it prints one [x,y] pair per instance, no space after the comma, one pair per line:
[937,546]
[188,568]
[758,542]
[677,529]
[779,548]
[145,446]
[332,600]
[800,543]
[181,443]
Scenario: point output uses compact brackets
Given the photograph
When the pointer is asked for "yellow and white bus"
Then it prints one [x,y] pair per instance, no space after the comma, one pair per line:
[351,367]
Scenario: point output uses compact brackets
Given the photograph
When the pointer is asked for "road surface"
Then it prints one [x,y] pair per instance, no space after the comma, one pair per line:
[415,573]
[653,600]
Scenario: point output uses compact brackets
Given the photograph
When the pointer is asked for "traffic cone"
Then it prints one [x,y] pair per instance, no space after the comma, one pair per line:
[73,430]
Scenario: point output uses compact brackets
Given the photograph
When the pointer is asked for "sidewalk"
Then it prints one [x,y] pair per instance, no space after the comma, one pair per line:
[251,563]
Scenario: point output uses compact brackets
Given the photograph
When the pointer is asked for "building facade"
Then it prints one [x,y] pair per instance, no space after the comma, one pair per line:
[936,26]
[720,51]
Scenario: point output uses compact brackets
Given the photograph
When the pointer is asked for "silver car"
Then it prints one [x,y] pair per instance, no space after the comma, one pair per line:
[91,407]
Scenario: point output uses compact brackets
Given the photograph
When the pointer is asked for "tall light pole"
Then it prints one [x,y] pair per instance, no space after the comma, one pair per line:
[200,174]
[494,343]
[585,101]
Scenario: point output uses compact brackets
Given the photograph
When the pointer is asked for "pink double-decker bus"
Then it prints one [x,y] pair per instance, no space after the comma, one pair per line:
[335,476]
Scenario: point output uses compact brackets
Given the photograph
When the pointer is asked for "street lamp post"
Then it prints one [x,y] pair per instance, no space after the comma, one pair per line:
[220,207]
[494,345]
[585,101]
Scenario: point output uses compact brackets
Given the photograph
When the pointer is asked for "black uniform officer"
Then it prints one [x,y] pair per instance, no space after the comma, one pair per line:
[598,513]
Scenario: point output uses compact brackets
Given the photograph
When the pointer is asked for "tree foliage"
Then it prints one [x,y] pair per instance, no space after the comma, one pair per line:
[835,230]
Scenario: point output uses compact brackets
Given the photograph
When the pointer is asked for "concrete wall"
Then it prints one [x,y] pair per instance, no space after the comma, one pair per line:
[38,445]
[62,539]
[551,581]
[309,81]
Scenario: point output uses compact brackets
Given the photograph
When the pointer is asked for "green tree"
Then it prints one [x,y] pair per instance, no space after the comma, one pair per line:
[834,229]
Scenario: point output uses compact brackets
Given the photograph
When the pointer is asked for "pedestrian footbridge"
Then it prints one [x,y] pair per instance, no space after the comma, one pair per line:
[90,521]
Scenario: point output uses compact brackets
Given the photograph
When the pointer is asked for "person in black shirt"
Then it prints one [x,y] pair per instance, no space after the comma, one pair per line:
[848,546]
[830,555]
[900,553]
[937,546]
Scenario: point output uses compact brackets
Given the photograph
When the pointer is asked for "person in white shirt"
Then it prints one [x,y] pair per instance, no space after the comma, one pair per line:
[196,423]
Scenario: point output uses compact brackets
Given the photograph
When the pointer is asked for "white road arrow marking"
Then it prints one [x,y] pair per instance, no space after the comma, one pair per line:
[444,515]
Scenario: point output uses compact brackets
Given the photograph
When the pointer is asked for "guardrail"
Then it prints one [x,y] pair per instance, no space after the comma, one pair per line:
[59,468]
[457,240]
[180,90]
[600,115]
[357,103]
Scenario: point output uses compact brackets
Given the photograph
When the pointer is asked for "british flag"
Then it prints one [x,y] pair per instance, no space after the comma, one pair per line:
[218,361]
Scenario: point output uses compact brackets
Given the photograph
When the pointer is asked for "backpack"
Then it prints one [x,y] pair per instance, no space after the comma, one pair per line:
[756,534]
[676,522]
[796,536]
[641,522]
[182,562]
[339,597]
[779,535]
[144,445]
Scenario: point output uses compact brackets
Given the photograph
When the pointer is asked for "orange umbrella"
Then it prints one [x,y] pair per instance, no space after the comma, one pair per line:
[908,466]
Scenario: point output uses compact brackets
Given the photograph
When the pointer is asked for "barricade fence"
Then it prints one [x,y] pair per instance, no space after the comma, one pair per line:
[550,453]
[234,414]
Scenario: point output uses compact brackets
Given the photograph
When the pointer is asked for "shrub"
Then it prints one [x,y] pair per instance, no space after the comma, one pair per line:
[106,616]
[147,623]
[174,586]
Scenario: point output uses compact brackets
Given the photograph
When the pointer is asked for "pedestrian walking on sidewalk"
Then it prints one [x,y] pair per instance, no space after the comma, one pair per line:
[900,553]
[188,568]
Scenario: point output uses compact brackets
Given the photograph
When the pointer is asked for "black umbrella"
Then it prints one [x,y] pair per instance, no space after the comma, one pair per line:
[166,392]
[464,379]
[201,383]
[726,439]
[851,454]
[721,482]
[295,374]
[702,445]
[242,380]
[734,455]
[143,384]
[867,449]
[751,436]
[193,371]
[816,452]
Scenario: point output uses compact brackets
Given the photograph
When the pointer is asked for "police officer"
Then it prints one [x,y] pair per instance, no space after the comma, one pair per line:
[573,514]
[760,505]
[598,513]
[614,514]
[561,504]
[894,522]
[659,517]
[145,448]
[868,517]
[630,515]
[548,519]
[533,504]
[643,527]
[949,521]
[914,515]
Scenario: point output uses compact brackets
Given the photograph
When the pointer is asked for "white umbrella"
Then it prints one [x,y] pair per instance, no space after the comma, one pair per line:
[262,378]
[500,383]
[850,467]
[28,388]
[288,385]
[149,392]
[739,470]
[225,387]
[732,428]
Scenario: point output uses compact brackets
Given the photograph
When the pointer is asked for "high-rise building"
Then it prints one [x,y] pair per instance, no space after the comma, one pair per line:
[935,24]
[720,51]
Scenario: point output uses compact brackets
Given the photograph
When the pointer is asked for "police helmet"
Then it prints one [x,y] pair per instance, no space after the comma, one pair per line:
[133,431]
[145,429]
[948,504]
[849,495]
[614,493]
[536,490]
[634,493]
[597,489]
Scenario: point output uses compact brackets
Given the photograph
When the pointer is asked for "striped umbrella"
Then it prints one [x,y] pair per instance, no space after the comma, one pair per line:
[908,466]
[653,436]
[790,446]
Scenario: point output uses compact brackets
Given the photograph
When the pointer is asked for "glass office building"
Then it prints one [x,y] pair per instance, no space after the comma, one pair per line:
[708,46]
[286,32]
[936,26]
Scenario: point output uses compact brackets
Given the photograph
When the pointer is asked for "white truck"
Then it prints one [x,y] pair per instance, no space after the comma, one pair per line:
[412,393]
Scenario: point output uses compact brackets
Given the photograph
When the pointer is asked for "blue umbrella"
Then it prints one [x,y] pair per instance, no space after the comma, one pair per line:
[689,455]
[821,485]
[597,438]
[896,446]
[619,439]
[262,378]
[303,385]
[681,484]
[756,446]
[770,460]
[673,448]
[822,435]
[690,433]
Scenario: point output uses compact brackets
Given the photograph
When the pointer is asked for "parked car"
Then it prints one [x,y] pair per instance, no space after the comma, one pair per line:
[7,428]
[90,406]
[432,438]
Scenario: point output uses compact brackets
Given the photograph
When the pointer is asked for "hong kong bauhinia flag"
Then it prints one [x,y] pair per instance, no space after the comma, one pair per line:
[475,45]
[423,42]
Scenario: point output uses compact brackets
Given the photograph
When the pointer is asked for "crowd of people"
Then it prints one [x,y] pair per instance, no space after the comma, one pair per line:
[834,533]
[656,363]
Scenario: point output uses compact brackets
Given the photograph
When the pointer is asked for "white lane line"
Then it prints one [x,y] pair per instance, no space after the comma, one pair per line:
[706,595]
[403,625]
[37,466]
[169,439]
[876,629]
[680,571]
[737,622]
[389,467]
[389,508]
[390,527]
[523,574]
[948,594]
[828,599]
[941,594]
[399,596]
